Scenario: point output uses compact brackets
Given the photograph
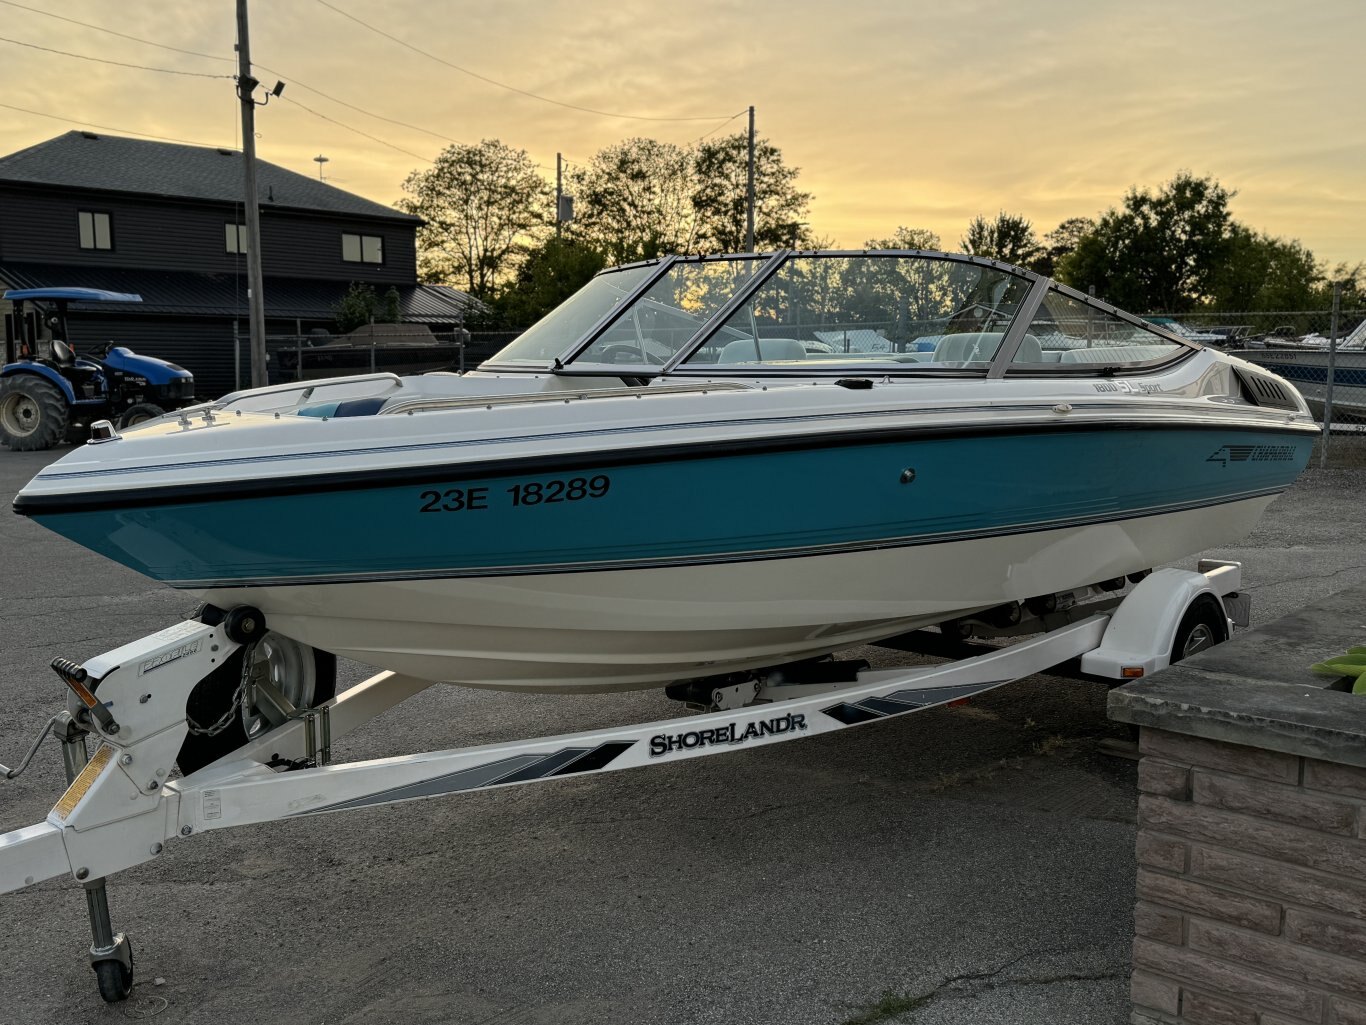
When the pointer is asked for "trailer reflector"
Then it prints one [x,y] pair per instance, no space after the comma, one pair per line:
[81,785]
[1131,672]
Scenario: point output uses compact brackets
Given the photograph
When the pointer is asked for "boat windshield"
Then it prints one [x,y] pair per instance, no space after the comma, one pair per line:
[836,311]
[663,319]
[555,333]
[803,312]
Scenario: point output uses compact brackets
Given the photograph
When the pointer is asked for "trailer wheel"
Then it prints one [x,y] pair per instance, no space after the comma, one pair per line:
[304,675]
[33,413]
[141,413]
[1203,626]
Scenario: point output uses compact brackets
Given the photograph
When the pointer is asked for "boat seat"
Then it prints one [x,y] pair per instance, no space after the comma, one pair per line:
[1119,354]
[349,407]
[742,350]
[968,347]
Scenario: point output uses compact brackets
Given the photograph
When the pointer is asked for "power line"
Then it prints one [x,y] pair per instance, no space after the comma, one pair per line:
[102,60]
[504,85]
[351,106]
[112,32]
[720,126]
[106,128]
[349,128]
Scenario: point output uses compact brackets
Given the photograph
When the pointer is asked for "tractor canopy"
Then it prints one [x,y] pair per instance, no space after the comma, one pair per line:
[75,295]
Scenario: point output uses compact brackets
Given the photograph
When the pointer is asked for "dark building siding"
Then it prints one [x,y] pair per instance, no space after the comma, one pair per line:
[310,246]
[40,226]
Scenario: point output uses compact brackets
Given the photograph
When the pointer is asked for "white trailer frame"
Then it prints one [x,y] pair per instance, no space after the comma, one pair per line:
[122,806]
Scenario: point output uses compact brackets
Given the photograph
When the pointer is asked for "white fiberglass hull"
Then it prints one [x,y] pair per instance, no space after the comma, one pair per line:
[625,629]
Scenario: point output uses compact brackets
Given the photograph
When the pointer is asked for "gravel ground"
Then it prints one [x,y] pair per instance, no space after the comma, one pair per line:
[965,865]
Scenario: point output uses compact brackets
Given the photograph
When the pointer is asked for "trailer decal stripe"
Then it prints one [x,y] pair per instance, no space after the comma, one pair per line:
[910,700]
[517,769]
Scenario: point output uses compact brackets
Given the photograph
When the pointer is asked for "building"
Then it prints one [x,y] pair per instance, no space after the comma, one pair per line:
[166,221]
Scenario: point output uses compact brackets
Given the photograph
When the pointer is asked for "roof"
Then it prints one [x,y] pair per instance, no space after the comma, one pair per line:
[86,160]
[225,295]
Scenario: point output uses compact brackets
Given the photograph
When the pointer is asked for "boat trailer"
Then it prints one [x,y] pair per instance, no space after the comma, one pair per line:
[123,806]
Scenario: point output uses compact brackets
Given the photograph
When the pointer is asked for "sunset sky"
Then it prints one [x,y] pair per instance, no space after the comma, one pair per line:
[897,113]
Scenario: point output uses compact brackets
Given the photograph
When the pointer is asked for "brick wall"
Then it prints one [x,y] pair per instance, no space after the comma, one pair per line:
[1251,887]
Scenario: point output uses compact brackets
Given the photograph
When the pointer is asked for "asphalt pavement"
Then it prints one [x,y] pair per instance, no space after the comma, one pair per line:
[964,865]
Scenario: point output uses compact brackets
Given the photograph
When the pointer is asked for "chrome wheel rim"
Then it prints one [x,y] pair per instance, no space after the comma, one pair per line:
[288,666]
[19,415]
[1200,638]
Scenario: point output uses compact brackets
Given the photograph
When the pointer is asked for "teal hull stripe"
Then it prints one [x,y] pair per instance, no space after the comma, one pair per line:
[742,506]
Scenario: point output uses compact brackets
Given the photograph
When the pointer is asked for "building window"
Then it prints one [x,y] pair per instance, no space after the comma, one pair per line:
[94,227]
[362,248]
[236,236]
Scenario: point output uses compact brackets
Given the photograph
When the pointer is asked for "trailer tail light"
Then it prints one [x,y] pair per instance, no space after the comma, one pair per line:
[1131,672]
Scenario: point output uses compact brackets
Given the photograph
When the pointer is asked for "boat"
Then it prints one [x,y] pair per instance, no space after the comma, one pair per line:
[667,479]
[1305,362]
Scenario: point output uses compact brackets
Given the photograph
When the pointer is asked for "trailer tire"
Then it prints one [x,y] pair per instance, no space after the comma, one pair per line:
[33,413]
[141,413]
[1203,626]
[216,695]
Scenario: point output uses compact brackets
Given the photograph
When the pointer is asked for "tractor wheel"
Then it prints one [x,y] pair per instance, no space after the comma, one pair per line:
[33,413]
[142,412]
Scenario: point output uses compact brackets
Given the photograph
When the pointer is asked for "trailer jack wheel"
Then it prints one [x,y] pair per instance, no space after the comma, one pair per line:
[114,974]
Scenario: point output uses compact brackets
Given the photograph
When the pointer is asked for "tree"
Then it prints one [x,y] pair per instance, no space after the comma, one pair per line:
[780,210]
[1265,273]
[1061,242]
[1008,238]
[549,275]
[360,306]
[907,238]
[633,201]
[481,205]
[1162,251]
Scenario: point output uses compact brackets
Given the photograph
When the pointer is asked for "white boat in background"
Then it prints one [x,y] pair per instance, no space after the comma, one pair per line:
[1308,369]
[661,480]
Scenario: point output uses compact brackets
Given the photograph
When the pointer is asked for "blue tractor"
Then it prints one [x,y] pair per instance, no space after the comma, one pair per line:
[48,393]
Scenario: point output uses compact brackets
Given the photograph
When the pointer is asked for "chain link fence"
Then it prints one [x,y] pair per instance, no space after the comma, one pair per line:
[391,348]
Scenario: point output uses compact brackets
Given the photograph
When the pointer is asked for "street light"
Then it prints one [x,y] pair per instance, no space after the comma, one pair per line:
[320,160]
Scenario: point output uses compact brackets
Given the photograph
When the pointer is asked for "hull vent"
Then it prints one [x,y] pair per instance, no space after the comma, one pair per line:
[1264,390]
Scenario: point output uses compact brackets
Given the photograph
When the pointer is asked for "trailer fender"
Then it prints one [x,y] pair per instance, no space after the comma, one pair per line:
[39,370]
[1138,641]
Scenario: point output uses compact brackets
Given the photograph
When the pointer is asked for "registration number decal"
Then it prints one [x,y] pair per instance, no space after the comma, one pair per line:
[536,492]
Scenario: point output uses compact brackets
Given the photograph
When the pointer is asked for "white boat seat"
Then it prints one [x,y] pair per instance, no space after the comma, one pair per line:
[1119,354]
[742,350]
[968,347]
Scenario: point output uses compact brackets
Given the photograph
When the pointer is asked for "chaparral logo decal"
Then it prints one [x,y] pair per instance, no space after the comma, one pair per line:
[727,734]
[167,657]
[1226,454]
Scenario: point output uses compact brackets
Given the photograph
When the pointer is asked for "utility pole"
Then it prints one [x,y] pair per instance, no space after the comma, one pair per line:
[246,87]
[559,191]
[749,190]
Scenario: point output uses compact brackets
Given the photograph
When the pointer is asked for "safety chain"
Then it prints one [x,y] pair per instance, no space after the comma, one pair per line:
[239,698]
